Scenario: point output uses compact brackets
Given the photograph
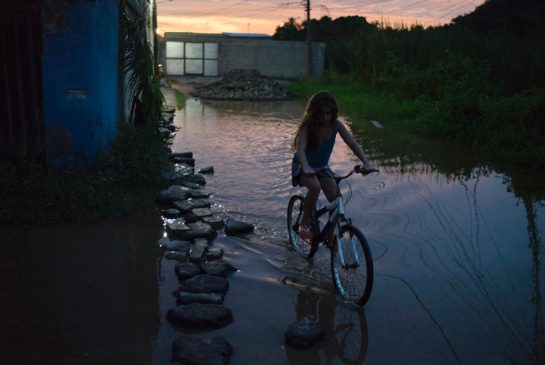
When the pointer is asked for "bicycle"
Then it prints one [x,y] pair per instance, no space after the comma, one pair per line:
[351,260]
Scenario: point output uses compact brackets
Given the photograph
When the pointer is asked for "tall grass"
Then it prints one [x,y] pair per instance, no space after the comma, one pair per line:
[124,180]
[180,99]
[484,90]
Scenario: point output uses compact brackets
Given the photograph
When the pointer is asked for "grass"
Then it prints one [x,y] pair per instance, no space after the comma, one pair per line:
[180,99]
[361,102]
[496,128]
[124,180]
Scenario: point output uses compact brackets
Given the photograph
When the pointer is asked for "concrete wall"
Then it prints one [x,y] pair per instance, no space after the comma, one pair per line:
[271,58]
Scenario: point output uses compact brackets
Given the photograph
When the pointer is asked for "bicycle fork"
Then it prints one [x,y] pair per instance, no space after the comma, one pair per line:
[351,245]
[344,250]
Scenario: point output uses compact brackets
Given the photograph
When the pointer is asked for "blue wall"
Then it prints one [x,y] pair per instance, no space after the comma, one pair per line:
[80,81]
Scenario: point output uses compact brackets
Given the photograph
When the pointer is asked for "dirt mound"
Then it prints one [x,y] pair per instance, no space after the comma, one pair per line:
[243,85]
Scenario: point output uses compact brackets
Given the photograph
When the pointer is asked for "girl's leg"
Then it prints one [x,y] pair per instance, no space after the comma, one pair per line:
[329,188]
[314,187]
[330,191]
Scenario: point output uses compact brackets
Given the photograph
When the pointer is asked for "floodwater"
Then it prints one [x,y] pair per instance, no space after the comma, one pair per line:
[456,244]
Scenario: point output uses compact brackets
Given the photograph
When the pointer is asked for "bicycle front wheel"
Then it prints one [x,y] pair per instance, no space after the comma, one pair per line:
[352,265]
[295,214]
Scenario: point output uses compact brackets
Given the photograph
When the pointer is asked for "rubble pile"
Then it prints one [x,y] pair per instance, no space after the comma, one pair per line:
[243,85]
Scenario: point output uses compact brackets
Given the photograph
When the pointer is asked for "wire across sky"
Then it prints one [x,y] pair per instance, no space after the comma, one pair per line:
[261,16]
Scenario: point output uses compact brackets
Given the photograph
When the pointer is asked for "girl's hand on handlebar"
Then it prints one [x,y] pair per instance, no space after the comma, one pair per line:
[365,170]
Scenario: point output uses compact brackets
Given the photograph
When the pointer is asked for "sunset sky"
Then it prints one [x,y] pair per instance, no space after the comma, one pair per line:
[261,16]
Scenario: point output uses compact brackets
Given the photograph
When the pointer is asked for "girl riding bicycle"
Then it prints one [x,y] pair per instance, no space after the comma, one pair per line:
[312,148]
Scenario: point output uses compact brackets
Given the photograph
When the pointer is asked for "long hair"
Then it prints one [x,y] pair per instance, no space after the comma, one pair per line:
[312,114]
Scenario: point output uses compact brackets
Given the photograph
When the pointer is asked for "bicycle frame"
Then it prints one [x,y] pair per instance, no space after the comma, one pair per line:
[336,216]
[349,249]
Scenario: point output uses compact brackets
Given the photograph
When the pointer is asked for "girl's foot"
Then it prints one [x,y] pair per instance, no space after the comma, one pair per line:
[305,232]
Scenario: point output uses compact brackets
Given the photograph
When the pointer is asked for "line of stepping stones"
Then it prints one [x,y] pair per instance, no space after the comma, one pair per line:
[191,229]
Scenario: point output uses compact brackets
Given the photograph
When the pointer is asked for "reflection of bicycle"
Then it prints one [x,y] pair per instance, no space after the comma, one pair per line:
[351,261]
[346,326]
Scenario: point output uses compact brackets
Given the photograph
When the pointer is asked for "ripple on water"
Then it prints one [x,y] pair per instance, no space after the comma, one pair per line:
[460,246]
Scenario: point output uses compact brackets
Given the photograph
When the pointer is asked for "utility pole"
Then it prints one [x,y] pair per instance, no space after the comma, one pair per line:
[309,44]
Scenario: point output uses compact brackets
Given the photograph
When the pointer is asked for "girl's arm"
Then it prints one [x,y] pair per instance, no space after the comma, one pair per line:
[301,147]
[354,146]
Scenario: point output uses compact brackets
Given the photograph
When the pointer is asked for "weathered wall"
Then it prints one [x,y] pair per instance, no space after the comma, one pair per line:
[80,78]
[270,58]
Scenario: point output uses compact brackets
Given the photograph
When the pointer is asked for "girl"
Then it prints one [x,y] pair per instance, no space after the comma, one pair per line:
[313,145]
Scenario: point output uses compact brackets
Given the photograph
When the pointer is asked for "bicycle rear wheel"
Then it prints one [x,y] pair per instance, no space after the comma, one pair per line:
[352,265]
[295,213]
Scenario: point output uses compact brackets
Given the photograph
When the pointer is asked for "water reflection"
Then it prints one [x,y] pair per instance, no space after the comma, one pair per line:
[448,233]
[347,337]
[474,261]
[79,294]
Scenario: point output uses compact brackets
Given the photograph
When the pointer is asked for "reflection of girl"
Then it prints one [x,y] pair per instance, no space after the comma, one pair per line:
[347,333]
[313,145]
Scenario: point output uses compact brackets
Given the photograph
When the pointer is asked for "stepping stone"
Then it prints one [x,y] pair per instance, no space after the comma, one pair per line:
[233,227]
[183,297]
[214,222]
[202,212]
[305,333]
[184,169]
[201,242]
[177,256]
[171,213]
[164,132]
[177,225]
[168,118]
[177,230]
[199,226]
[191,185]
[182,154]
[206,351]
[199,194]
[186,270]
[191,218]
[200,315]
[214,253]
[170,195]
[197,179]
[206,170]
[180,246]
[187,206]
[218,268]
[185,160]
[204,283]
[196,254]
[199,231]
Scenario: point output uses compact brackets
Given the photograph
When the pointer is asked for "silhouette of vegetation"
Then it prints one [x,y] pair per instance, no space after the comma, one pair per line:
[479,81]
[522,18]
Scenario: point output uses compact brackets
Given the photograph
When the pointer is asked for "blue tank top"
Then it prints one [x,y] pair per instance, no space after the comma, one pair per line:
[320,157]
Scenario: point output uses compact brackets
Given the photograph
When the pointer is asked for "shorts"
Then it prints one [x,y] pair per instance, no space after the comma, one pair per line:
[297,172]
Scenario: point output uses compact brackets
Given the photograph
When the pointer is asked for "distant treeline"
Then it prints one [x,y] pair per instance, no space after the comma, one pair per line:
[481,78]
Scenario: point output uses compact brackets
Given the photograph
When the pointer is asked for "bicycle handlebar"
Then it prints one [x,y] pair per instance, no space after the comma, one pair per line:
[359,170]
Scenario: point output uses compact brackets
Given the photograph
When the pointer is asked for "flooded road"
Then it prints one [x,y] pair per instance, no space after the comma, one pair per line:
[457,254]
[456,247]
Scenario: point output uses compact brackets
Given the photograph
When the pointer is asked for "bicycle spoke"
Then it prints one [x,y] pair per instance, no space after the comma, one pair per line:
[351,266]
[295,211]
